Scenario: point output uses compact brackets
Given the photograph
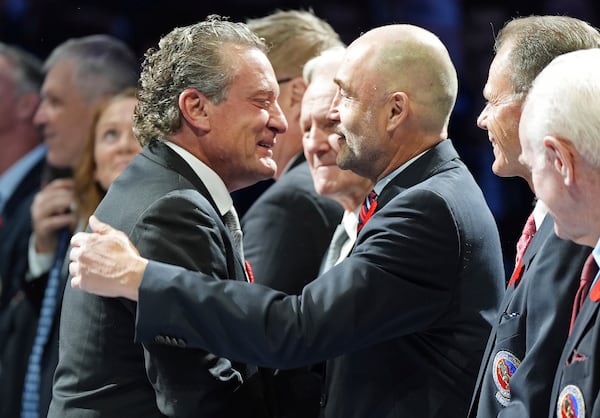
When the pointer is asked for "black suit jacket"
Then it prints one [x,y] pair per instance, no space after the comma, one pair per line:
[169,215]
[15,230]
[518,367]
[576,388]
[403,320]
[287,231]
[18,318]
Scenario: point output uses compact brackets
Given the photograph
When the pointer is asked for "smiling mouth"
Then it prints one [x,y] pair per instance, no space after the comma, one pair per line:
[267,145]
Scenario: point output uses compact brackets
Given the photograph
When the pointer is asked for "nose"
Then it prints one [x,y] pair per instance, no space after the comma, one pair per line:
[277,121]
[482,118]
[41,116]
[315,140]
[334,114]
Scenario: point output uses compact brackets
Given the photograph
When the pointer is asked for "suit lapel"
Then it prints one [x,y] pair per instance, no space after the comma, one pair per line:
[162,154]
[588,313]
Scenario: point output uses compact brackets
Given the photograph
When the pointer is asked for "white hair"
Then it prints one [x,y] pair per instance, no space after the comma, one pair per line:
[565,102]
[331,56]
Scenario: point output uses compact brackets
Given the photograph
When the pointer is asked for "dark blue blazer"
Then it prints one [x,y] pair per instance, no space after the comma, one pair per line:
[402,321]
[18,317]
[15,230]
[530,330]
[576,388]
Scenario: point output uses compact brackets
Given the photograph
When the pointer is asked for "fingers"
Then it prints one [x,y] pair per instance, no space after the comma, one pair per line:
[98,226]
[76,282]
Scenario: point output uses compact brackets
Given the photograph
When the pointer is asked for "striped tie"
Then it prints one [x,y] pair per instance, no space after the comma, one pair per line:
[366,210]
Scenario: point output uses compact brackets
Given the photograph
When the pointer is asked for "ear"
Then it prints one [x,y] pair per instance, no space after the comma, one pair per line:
[194,107]
[399,107]
[562,155]
[27,105]
[297,87]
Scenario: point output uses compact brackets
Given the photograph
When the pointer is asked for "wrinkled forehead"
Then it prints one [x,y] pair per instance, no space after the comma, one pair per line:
[252,68]
[317,100]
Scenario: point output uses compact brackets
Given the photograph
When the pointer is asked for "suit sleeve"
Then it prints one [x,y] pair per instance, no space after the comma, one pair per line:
[400,279]
[180,231]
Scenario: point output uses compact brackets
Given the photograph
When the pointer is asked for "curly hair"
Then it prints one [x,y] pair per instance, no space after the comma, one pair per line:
[187,57]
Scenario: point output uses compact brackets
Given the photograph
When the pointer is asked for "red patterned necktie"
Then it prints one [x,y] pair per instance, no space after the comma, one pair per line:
[366,210]
[526,236]
[590,269]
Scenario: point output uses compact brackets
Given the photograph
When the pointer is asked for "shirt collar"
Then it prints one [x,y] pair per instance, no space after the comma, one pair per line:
[540,210]
[214,184]
[384,181]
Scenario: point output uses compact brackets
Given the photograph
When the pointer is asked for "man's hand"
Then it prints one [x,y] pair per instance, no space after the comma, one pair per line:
[105,262]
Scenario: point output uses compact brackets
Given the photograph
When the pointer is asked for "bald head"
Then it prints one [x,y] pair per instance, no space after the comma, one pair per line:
[413,60]
[397,88]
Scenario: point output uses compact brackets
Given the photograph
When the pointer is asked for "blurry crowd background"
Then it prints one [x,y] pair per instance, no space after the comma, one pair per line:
[467,27]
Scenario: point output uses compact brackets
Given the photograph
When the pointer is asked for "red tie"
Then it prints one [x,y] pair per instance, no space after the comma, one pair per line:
[366,210]
[526,236]
[590,269]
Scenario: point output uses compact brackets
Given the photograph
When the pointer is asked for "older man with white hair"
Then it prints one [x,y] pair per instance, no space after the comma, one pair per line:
[560,131]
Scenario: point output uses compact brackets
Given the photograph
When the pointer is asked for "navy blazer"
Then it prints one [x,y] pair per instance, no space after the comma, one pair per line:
[530,330]
[15,230]
[169,215]
[18,318]
[576,389]
[402,321]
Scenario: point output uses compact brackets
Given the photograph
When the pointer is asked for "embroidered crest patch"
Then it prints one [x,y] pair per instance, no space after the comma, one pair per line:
[570,403]
[505,365]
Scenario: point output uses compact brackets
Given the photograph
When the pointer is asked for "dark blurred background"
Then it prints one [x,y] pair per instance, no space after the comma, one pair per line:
[467,27]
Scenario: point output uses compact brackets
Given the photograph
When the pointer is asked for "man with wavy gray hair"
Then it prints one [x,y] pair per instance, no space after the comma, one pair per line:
[208,117]
[559,131]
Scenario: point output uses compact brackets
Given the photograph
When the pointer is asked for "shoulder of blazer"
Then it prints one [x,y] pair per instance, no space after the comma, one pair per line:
[440,157]
[29,185]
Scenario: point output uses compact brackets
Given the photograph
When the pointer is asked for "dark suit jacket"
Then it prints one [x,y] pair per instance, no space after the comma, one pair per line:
[18,319]
[530,330]
[287,231]
[404,319]
[577,381]
[168,214]
[15,230]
